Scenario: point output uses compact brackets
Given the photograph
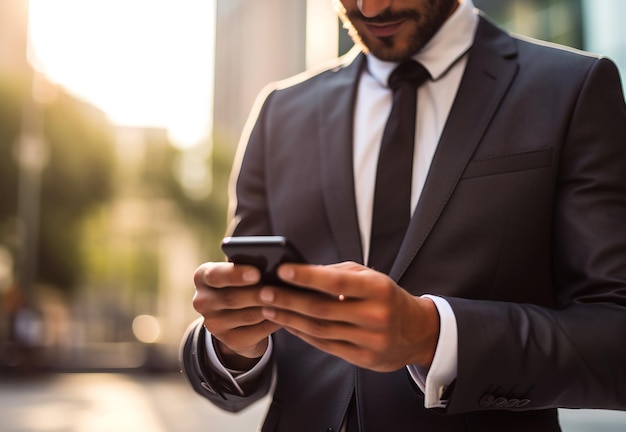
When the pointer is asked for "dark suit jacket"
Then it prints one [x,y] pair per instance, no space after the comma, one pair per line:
[521,227]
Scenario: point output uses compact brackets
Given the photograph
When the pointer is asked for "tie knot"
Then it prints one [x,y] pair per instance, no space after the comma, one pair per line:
[408,71]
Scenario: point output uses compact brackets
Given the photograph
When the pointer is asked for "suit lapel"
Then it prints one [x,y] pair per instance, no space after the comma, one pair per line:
[489,72]
[335,123]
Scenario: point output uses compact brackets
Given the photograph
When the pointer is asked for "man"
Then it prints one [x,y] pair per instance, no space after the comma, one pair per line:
[507,295]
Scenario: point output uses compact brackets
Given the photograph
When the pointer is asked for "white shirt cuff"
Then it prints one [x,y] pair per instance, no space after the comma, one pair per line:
[435,381]
[236,377]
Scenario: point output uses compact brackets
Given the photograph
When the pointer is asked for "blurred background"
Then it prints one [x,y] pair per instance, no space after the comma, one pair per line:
[118,124]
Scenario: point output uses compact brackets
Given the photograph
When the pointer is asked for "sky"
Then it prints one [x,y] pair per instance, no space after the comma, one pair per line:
[143,62]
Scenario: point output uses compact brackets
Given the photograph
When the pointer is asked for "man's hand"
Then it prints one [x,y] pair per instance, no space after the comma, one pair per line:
[228,298]
[364,316]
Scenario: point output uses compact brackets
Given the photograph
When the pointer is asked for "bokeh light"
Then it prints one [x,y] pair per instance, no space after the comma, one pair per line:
[146,328]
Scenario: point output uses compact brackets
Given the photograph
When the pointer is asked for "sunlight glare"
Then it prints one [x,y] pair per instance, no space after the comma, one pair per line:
[143,62]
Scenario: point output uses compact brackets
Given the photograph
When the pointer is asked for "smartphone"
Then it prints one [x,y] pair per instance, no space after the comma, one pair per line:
[264,252]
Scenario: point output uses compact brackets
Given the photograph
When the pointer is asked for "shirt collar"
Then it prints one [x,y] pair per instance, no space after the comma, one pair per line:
[449,44]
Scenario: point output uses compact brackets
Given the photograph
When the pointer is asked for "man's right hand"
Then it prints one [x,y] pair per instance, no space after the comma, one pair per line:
[227,296]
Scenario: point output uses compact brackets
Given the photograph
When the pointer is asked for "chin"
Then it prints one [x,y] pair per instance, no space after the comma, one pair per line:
[389,50]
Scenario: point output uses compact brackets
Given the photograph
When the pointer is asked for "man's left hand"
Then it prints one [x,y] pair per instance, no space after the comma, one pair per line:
[355,313]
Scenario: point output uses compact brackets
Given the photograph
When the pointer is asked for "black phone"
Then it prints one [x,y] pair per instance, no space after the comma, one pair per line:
[263,252]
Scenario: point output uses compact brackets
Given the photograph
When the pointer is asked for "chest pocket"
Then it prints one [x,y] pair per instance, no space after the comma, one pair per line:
[509,163]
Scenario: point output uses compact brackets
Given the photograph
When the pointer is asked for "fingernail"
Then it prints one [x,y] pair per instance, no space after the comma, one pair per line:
[250,276]
[286,272]
[267,295]
[269,313]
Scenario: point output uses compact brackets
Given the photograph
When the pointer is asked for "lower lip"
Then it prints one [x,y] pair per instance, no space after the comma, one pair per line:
[383,30]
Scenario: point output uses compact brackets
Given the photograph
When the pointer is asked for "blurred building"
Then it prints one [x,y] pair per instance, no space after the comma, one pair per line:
[256,42]
[259,42]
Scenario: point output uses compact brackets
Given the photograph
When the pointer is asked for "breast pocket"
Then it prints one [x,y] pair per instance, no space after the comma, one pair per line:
[509,163]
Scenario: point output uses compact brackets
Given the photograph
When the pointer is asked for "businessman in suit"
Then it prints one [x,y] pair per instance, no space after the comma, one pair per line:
[505,297]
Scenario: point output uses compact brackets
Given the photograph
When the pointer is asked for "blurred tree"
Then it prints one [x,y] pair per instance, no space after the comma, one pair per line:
[559,21]
[160,192]
[11,94]
[77,176]
[198,182]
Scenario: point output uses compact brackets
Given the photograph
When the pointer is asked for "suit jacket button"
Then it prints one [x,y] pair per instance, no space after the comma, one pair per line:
[500,402]
[512,403]
[486,401]
[522,403]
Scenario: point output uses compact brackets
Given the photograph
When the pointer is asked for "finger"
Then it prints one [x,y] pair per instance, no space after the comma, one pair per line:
[350,352]
[337,280]
[247,340]
[348,265]
[337,331]
[348,327]
[227,320]
[373,314]
[242,335]
[223,274]
[337,347]
[310,303]
[209,300]
[351,343]
[248,324]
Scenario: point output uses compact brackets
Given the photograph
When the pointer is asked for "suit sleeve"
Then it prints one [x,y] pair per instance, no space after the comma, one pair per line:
[526,357]
[208,383]
[248,213]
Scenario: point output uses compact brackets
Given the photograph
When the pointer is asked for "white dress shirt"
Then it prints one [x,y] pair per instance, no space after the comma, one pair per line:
[445,57]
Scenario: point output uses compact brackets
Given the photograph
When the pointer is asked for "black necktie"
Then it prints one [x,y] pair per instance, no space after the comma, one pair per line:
[392,194]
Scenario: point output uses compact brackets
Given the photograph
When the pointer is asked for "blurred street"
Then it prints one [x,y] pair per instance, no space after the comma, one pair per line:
[104,402]
[114,402]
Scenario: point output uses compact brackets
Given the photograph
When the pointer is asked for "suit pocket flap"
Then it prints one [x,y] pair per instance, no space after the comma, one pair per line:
[509,163]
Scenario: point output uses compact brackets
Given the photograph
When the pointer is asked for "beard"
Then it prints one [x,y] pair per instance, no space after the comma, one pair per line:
[421,25]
